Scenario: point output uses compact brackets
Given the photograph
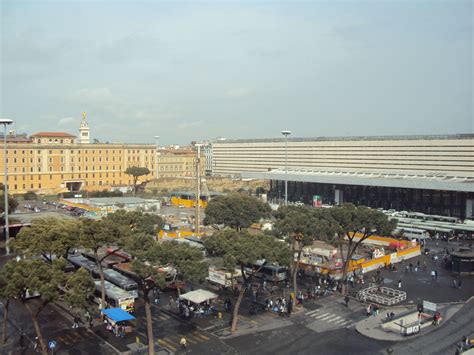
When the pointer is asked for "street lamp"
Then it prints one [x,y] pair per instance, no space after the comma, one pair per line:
[5,122]
[286,134]
[157,158]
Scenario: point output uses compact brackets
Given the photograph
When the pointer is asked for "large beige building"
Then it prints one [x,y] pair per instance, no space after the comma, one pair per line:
[433,174]
[55,162]
[179,162]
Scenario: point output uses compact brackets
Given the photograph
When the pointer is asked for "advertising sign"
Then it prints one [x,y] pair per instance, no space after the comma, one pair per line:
[317,201]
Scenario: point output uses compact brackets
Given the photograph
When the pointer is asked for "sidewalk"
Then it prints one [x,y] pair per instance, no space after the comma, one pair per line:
[371,327]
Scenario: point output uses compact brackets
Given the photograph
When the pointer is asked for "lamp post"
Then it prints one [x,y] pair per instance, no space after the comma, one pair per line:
[157,158]
[5,122]
[286,134]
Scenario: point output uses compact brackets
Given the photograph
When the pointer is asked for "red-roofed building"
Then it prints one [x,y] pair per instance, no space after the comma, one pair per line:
[53,137]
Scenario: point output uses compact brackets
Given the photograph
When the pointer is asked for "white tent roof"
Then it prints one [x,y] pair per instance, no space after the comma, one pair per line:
[198,296]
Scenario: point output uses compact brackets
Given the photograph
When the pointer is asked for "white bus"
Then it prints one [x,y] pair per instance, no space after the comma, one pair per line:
[413,233]
[115,296]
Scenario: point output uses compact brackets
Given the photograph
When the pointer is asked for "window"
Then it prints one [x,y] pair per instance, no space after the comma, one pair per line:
[61,142]
[50,152]
[32,184]
[39,186]
[50,177]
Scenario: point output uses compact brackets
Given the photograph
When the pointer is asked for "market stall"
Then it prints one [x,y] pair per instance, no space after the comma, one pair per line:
[117,321]
[198,302]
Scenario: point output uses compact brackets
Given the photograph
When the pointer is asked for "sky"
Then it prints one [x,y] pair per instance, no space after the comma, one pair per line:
[196,70]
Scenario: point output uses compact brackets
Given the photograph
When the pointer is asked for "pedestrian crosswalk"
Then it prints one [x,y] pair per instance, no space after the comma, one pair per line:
[160,317]
[329,317]
[172,341]
[71,337]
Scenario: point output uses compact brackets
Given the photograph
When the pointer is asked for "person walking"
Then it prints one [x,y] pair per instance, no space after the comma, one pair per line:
[75,323]
[289,308]
[400,283]
[183,342]
[459,283]
[346,300]
[432,275]
[22,339]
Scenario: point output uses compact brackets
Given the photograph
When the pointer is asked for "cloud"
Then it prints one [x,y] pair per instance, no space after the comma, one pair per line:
[189,125]
[238,92]
[95,95]
[68,122]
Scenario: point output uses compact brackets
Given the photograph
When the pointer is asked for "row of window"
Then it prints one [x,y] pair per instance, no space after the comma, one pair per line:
[86,151]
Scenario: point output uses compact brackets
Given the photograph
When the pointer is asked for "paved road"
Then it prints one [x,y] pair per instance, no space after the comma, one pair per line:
[443,340]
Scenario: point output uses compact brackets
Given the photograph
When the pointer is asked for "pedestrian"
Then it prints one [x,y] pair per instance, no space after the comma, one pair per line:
[436,275]
[369,310]
[157,301]
[346,300]
[411,267]
[183,342]
[455,284]
[432,275]
[459,283]
[22,339]
[75,323]
[399,283]
[36,344]
[407,268]
[289,308]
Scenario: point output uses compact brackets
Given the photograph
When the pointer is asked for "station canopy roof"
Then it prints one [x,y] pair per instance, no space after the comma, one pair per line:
[386,178]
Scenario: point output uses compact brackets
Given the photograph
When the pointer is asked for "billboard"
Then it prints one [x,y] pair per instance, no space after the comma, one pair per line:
[317,201]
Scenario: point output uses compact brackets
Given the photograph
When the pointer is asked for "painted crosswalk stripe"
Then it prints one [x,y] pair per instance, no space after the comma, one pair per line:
[340,321]
[328,317]
[346,323]
[166,344]
[322,315]
[311,312]
[202,336]
[335,318]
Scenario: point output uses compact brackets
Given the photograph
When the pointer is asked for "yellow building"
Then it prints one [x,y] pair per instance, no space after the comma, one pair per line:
[55,162]
[178,163]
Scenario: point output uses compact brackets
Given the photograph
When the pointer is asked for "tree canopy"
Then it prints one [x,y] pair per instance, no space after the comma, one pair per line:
[243,248]
[235,210]
[48,237]
[137,222]
[136,172]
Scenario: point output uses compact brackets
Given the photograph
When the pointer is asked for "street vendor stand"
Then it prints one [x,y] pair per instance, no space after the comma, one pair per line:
[117,321]
[199,301]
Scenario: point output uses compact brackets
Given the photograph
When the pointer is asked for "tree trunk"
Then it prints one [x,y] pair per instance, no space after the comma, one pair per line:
[295,273]
[102,279]
[135,180]
[34,318]
[149,324]
[235,312]
[5,320]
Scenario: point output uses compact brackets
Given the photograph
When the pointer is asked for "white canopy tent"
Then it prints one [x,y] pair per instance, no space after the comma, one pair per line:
[198,296]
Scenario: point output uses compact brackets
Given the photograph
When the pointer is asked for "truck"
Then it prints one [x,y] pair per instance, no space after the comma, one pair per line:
[222,277]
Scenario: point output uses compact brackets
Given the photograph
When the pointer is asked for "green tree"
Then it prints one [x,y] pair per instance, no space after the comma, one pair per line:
[236,211]
[136,172]
[96,235]
[48,237]
[12,203]
[187,260]
[30,196]
[145,266]
[6,304]
[302,225]
[27,277]
[356,224]
[138,222]
[242,249]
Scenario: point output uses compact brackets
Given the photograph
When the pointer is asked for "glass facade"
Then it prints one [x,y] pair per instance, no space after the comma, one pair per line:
[448,203]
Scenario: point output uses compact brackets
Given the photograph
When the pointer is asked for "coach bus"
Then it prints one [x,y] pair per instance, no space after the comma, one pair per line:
[122,281]
[114,296]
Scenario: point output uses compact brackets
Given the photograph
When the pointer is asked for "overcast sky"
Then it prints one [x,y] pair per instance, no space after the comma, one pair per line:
[238,69]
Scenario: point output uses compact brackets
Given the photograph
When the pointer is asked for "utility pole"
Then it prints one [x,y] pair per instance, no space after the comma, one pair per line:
[198,188]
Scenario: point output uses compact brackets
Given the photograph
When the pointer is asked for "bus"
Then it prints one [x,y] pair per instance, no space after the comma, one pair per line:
[270,272]
[169,272]
[81,261]
[412,233]
[115,296]
[124,282]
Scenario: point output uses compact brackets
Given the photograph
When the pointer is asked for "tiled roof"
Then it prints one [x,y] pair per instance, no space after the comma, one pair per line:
[53,134]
